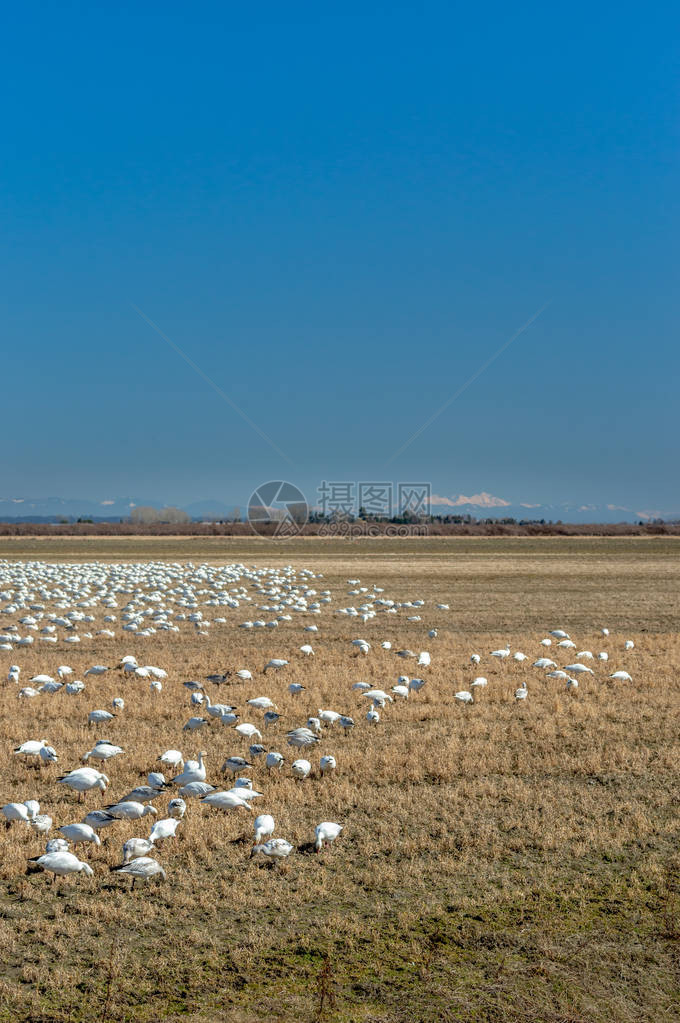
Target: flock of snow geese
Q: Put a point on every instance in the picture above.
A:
(61, 604)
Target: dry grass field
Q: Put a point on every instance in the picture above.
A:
(504, 861)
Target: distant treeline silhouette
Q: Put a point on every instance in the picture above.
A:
(426, 526)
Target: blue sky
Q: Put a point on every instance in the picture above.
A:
(339, 212)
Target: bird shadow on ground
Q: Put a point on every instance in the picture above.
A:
(307, 848)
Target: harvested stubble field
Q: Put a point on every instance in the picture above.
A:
(501, 861)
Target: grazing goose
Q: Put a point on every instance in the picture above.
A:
(163, 829)
(83, 779)
(173, 757)
(301, 768)
(264, 826)
(262, 703)
(56, 845)
(522, 692)
(99, 819)
(621, 676)
(31, 748)
(226, 801)
(327, 764)
(98, 717)
(61, 864)
(578, 669)
(372, 716)
(193, 724)
(248, 731)
(276, 849)
(235, 765)
(103, 750)
(295, 688)
(15, 812)
(48, 755)
(274, 760)
(135, 847)
(131, 810)
(79, 833)
(464, 696)
(141, 869)
(194, 789)
(301, 738)
(42, 823)
(177, 808)
(276, 662)
(326, 833)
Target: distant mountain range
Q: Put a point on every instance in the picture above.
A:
(487, 506)
(478, 506)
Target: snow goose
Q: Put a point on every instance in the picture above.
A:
(301, 768)
(98, 717)
(163, 829)
(326, 833)
(48, 755)
(263, 826)
(194, 770)
(130, 810)
(103, 750)
(301, 737)
(194, 789)
(194, 723)
(274, 761)
(177, 808)
(41, 823)
(248, 731)
(226, 801)
(83, 779)
(79, 833)
(235, 765)
(327, 764)
(275, 850)
(15, 812)
(31, 748)
(135, 847)
(173, 757)
(61, 864)
(141, 869)
(276, 662)
(99, 819)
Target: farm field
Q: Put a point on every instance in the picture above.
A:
(505, 860)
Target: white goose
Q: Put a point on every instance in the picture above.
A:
(61, 864)
(83, 779)
(142, 868)
(264, 826)
(326, 833)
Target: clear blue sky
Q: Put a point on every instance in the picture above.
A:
(339, 212)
